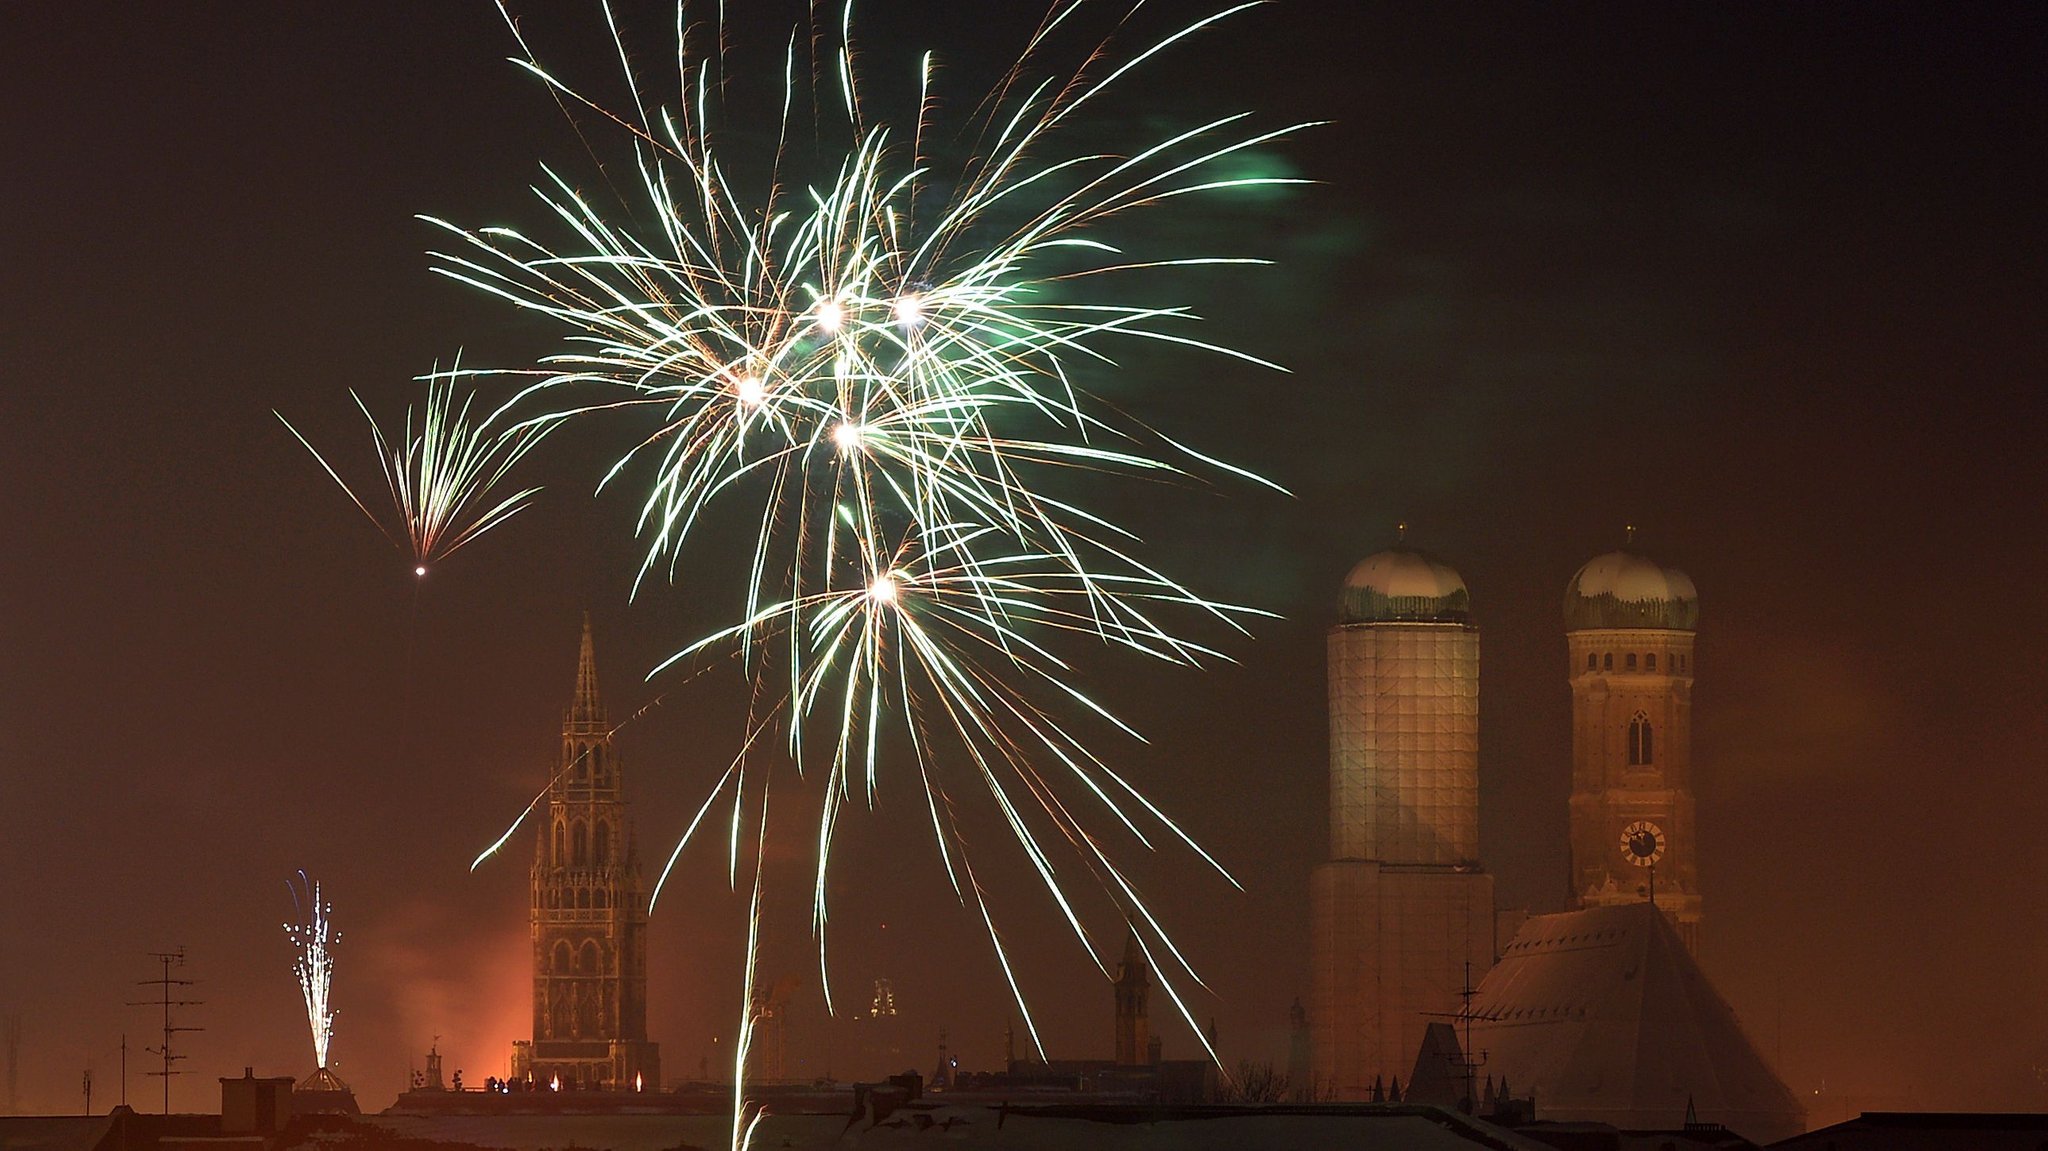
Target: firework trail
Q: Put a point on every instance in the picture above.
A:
(440, 469)
(883, 369)
(314, 964)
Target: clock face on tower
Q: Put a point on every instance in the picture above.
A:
(1642, 843)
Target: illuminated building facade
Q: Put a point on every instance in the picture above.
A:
(589, 917)
(1402, 907)
(1630, 625)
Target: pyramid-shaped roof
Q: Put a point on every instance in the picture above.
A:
(1602, 1015)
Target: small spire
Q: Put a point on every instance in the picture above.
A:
(1631, 529)
(1132, 969)
(1401, 532)
(586, 709)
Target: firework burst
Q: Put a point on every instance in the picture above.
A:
(313, 940)
(440, 470)
(881, 369)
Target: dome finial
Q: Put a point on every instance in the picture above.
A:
(1401, 532)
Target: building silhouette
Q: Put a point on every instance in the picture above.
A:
(1133, 1010)
(589, 916)
(1402, 910)
(1630, 625)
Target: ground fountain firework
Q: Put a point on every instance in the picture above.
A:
(312, 939)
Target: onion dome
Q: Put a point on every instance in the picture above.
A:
(1623, 589)
(1403, 585)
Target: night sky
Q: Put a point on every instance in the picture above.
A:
(1765, 280)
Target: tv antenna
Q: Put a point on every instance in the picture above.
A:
(165, 984)
(1467, 1062)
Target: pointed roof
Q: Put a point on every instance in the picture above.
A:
(586, 710)
(1603, 1015)
(1439, 1073)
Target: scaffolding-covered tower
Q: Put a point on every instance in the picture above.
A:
(1402, 907)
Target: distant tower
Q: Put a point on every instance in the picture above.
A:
(1133, 1021)
(589, 916)
(1629, 627)
(1403, 904)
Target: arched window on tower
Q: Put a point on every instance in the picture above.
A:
(1650, 662)
(579, 846)
(1607, 662)
(582, 754)
(1592, 662)
(602, 853)
(560, 961)
(1631, 661)
(558, 859)
(1639, 746)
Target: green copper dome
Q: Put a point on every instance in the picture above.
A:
(1403, 585)
(1623, 589)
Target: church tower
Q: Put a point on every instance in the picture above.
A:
(1402, 906)
(1133, 1011)
(1630, 625)
(589, 917)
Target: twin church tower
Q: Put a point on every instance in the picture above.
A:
(1403, 914)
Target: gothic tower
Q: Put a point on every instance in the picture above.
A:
(1630, 625)
(1402, 906)
(589, 916)
(1133, 1017)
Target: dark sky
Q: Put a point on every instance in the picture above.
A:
(1765, 280)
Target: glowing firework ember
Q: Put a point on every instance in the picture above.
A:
(314, 964)
(880, 369)
(441, 470)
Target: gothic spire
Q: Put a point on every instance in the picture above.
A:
(586, 710)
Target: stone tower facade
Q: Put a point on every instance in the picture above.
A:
(1133, 1008)
(1630, 625)
(1403, 906)
(589, 917)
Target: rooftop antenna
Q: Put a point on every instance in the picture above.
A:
(1468, 1061)
(164, 983)
(13, 1059)
(12, 1027)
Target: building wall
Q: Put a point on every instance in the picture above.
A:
(1390, 948)
(1404, 742)
(1616, 675)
